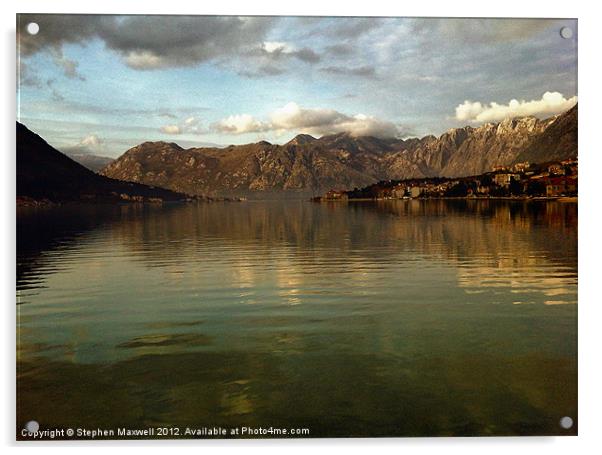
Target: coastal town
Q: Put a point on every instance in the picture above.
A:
(524, 180)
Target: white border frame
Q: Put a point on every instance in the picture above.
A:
(590, 161)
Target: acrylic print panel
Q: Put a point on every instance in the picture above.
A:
(296, 227)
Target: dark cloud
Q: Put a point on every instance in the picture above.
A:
(254, 72)
(270, 59)
(306, 55)
(360, 71)
(56, 30)
(477, 31)
(25, 77)
(148, 42)
(68, 66)
(155, 42)
(56, 96)
(340, 49)
(355, 27)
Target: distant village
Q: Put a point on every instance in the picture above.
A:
(520, 180)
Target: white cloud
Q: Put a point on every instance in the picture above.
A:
(145, 60)
(89, 145)
(191, 125)
(171, 129)
(329, 121)
(277, 46)
(551, 103)
(292, 117)
(91, 141)
(240, 124)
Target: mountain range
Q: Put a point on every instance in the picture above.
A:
(93, 162)
(308, 165)
(45, 174)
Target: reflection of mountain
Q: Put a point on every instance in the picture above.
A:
(242, 307)
(45, 173)
(309, 165)
(452, 229)
(43, 230)
(480, 238)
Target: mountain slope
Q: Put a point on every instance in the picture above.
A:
(557, 142)
(45, 173)
(300, 166)
(93, 162)
(493, 145)
(308, 165)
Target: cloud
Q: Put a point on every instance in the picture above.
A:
(171, 129)
(55, 31)
(89, 145)
(307, 55)
(25, 76)
(271, 58)
(255, 72)
(352, 28)
(145, 60)
(292, 117)
(91, 141)
(240, 124)
(191, 125)
(279, 50)
(147, 42)
(56, 95)
(68, 66)
(551, 103)
(340, 49)
(159, 42)
(276, 46)
(478, 31)
(360, 71)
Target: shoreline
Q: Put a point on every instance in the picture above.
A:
(566, 199)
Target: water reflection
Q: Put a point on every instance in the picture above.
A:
(389, 318)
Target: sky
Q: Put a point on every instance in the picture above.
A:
(103, 84)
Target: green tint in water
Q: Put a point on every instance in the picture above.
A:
(405, 318)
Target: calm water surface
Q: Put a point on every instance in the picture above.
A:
(401, 318)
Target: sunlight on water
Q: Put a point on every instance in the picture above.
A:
(390, 318)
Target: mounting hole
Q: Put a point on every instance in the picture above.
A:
(566, 422)
(33, 28)
(32, 426)
(566, 32)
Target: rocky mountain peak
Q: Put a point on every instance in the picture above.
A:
(512, 124)
(301, 139)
